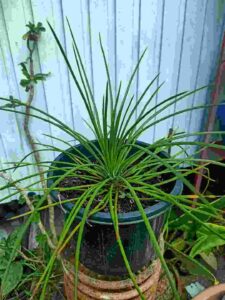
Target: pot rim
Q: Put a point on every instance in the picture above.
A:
(212, 292)
(123, 218)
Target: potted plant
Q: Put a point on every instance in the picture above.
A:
(99, 251)
(116, 190)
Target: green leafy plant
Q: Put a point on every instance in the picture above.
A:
(32, 36)
(113, 172)
(206, 242)
(34, 31)
(14, 276)
(30, 79)
(193, 233)
(191, 243)
(25, 268)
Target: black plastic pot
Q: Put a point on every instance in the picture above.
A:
(99, 251)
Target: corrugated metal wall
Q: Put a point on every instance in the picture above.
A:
(183, 40)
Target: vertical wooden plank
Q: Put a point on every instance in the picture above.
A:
(97, 16)
(40, 98)
(79, 22)
(39, 94)
(124, 41)
(90, 45)
(150, 30)
(9, 84)
(3, 160)
(127, 45)
(15, 29)
(138, 53)
(112, 41)
(56, 87)
(12, 131)
(194, 26)
(183, 39)
(208, 61)
(159, 56)
(174, 16)
(197, 114)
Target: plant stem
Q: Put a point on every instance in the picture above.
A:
(29, 204)
(31, 140)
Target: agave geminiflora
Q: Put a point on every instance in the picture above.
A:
(116, 131)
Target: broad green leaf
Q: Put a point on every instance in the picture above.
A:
(210, 259)
(185, 219)
(3, 237)
(12, 238)
(25, 82)
(25, 71)
(207, 240)
(217, 228)
(1, 273)
(3, 263)
(12, 279)
(193, 266)
(10, 243)
(2, 250)
(206, 243)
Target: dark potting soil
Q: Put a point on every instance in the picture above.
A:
(125, 202)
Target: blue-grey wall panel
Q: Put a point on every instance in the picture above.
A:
(183, 38)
